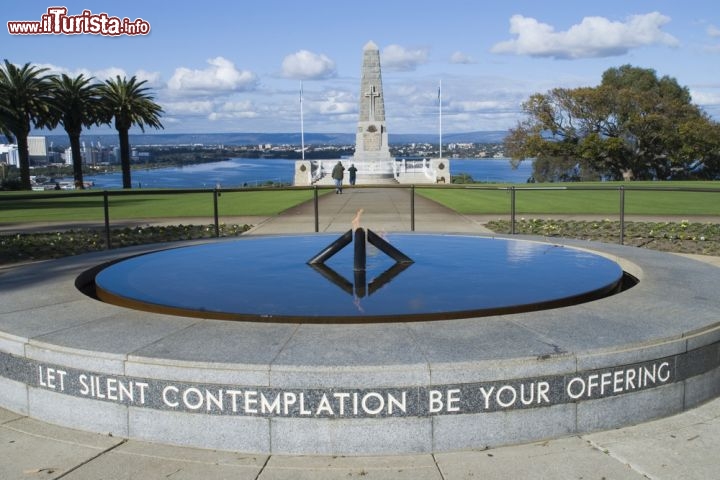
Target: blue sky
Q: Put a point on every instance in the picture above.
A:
(237, 66)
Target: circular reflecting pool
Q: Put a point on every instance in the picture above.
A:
(269, 279)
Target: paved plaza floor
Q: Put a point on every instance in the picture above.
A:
(684, 446)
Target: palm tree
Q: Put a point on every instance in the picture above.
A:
(128, 102)
(24, 101)
(78, 104)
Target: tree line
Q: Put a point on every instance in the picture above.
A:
(32, 98)
(633, 125)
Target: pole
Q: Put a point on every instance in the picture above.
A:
(337, 245)
(389, 250)
(106, 209)
(215, 212)
(412, 208)
(302, 125)
(440, 117)
(512, 210)
(359, 257)
(315, 205)
(622, 215)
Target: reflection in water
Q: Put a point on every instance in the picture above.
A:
(521, 252)
(268, 279)
(360, 288)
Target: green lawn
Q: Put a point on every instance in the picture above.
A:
(62, 207)
(574, 199)
(479, 199)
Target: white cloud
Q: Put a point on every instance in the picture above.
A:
(460, 57)
(220, 76)
(483, 105)
(233, 110)
(56, 70)
(398, 58)
(236, 106)
(334, 102)
(305, 65)
(332, 106)
(706, 97)
(152, 78)
(713, 31)
(202, 107)
(592, 37)
(109, 73)
(218, 116)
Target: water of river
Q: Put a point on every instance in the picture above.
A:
(238, 172)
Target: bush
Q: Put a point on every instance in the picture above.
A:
(682, 237)
(42, 246)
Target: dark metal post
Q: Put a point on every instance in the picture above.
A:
(317, 212)
(512, 210)
(622, 215)
(106, 208)
(215, 211)
(387, 248)
(359, 247)
(412, 208)
(333, 248)
(359, 263)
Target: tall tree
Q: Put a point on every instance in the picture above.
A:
(78, 104)
(25, 102)
(648, 111)
(633, 125)
(129, 103)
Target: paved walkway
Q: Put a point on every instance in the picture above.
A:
(381, 209)
(684, 446)
(681, 447)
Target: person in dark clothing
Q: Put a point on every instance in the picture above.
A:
(352, 171)
(338, 173)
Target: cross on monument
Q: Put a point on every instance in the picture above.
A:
(371, 95)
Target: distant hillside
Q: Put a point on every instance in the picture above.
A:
(468, 137)
(278, 138)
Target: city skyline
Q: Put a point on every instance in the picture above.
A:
(239, 67)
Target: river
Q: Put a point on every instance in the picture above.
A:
(238, 172)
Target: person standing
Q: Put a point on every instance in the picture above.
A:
(338, 173)
(352, 173)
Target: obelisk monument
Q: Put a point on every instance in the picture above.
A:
(372, 156)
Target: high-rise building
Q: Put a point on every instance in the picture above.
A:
(37, 150)
(9, 154)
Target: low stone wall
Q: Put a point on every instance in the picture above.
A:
(648, 352)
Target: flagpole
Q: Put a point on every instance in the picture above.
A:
(440, 115)
(302, 126)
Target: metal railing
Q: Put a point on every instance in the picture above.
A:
(621, 189)
(214, 193)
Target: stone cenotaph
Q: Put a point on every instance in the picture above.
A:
(372, 156)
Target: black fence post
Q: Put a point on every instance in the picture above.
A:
(106, 209)
(315, 205)
(512, 210)
(412, 208)
(215, 212)
(622, 215)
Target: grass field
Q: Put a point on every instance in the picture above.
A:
(682, 237)
(586, 198)
(583, 199)
(90, 206)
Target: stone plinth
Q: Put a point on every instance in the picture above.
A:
(372, 155)
(648, 352)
